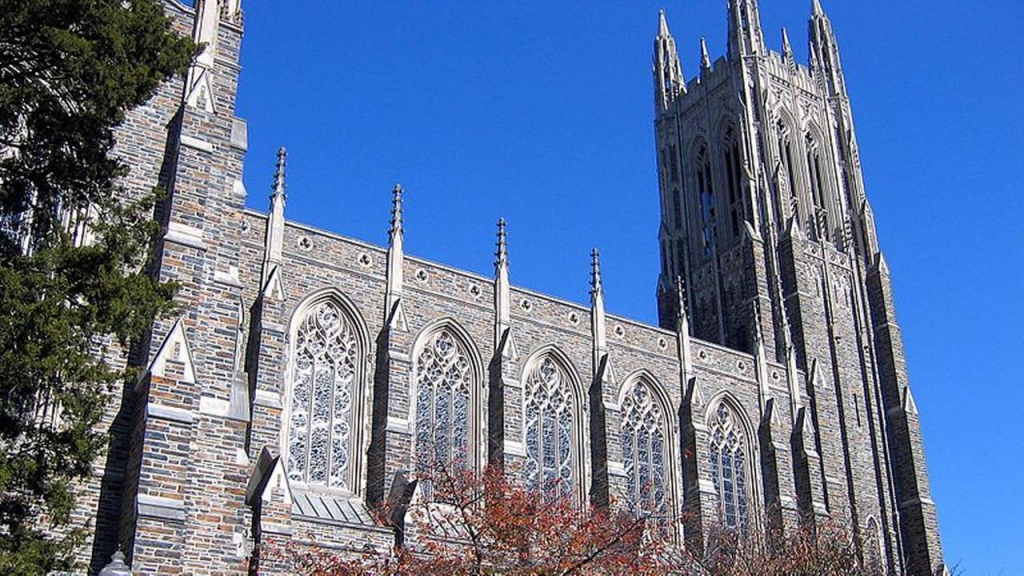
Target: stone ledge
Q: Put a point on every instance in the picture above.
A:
(164, 508)
(185, 235)
(196, 143)
(170, 413)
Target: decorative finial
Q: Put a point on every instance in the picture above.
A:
(681, 296)
(816, 8)
(502, 244)
(282, 156)
(396, 210)
(787, 48)
(705, 58)
(662, 25)
(595, 272)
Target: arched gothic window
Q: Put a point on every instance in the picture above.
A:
(707, 200)
(786, 161)
(324, 388)
(734, 179)
(819, 194)
(550, 453)
(645, 448)
(444, 384)
(730, 471)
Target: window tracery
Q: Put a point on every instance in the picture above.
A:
(550, 455)
(707, 200)
(444, 381)
(323, 388)
(734, 179)
(786, 162)
(818, 192)
(729, 471)
(645, 452)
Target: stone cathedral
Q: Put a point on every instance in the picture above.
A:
(309, 372)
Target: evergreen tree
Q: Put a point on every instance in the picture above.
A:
(73, 282)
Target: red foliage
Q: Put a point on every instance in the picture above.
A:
(489, 524)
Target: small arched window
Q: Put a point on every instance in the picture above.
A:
(326, 360)
(819, 195)
(734, 179)
(551, 453)
(444, 416)
(706, 193)
(645, 452)
(788, 168)
(730, 469)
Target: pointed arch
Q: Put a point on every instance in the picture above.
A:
(788, 158)
(649, 441)
(703, 182)
(326, 394)
(819, 177)
(446, 407)
(732, 164)
(732, 459)
(554, 425)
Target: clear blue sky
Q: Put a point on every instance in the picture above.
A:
(542, 112)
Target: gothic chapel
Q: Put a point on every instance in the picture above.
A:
(309, 371)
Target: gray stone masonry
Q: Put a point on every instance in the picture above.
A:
(775, 308)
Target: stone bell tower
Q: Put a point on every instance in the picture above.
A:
(765, 220)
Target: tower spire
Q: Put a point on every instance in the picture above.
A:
(745, 38)
(668, 72)
(824, 51)
(662, 25)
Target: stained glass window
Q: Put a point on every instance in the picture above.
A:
(645, 452)
(444, 379)
(549, 430)
(729, 468)
(325, 361)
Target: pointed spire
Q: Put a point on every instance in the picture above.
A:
(745, 36)
(705, 58)
(502, 244)
(394, 315)
(598, 323)
(396, 213)
(503, 341)
(273, 244)
(683, 321)
(668, 71)
(282, 156)
(683, 334)
(824, 51)
(787, 47)
(596, 287)
(662, 25)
